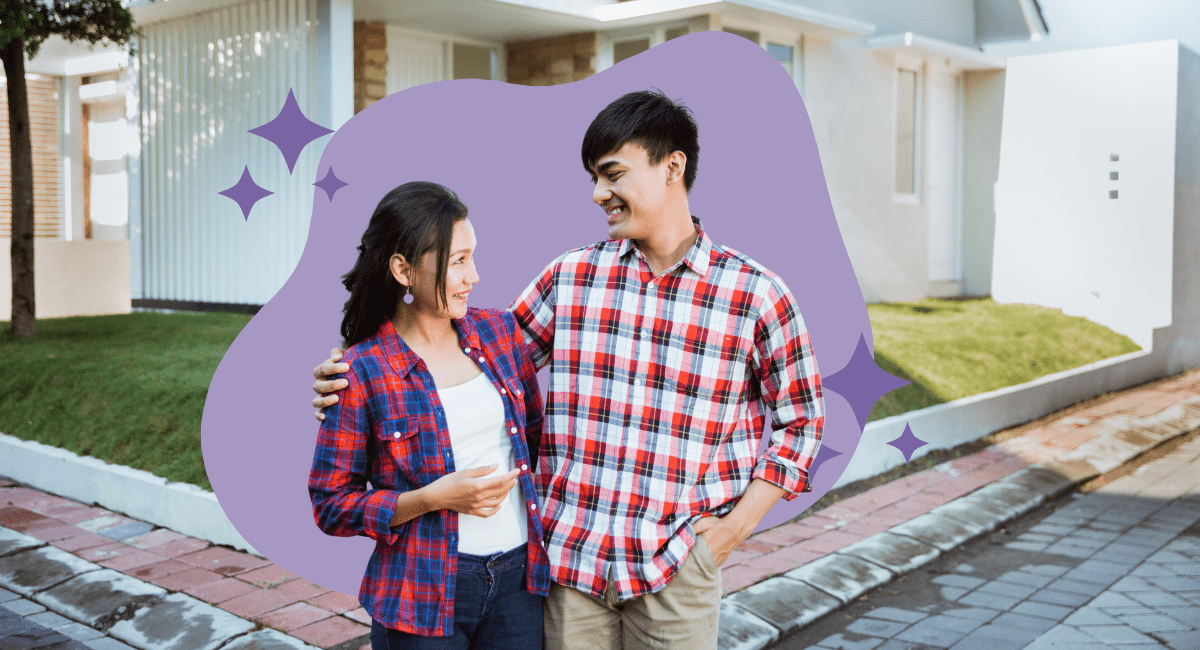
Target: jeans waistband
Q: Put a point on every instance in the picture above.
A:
(496, 562)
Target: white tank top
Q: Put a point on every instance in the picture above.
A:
(475, 418)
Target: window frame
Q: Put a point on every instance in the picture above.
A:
(917, 67)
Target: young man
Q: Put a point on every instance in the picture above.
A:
(662, 347)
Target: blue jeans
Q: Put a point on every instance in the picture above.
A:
(492, 609)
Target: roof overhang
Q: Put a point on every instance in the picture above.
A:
(957, 57)
(809, 22)
(61, 58)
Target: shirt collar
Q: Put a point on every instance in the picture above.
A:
(698, 257)
(402, 358)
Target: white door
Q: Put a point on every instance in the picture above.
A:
(413, 60)
(941, 127)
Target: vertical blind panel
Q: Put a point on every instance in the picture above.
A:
(205, 81)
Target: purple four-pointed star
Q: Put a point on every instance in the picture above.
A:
(823, 454)
(907, 443)
(331, 183)
(246, 193)
(862, 382)
(291, 131)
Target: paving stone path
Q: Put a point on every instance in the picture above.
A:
(58, 554)
(1117, 568)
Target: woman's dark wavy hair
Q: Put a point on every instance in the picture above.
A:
(411, 220)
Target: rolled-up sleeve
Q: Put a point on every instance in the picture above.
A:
(337, 484)
(791, 385)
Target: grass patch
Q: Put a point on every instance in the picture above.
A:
(951, 349)
(128, 389)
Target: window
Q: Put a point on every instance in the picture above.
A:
(624, 49)
(473, 61)
(615, 47)
(785, 55)
(907, 121)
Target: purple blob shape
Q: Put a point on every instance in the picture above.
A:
(291, 131)
(907, 443)
(512, 155)
(331, 184)
(862, 382)
(246, 193)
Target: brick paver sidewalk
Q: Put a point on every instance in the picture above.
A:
(255, 589)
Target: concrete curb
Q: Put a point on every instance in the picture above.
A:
(141, 614)
(761, 615)
(181, 507)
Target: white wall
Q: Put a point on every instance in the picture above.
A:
(983, 106)
(1060, 240)
(73, 278)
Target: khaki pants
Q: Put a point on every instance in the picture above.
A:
(681, 616)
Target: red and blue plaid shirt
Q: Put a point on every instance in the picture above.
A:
(654, 410)
(388, 428)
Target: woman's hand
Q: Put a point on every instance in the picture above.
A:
(468, 492)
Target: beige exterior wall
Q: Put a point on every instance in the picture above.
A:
(552, 61)
(73, 278)
(370, 63)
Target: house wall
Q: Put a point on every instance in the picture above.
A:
(1185, 313)
(982, 110)
(45, 121)
(1060, 240)
(370, 63)
(73, 278)
(848, 92)
(552, 61)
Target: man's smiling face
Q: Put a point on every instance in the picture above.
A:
(632, 192)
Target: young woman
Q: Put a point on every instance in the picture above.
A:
(430, 449)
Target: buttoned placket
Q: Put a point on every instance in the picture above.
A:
(510, 421)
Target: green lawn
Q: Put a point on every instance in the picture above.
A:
(130, 389)
(127, 389)
(951, 349)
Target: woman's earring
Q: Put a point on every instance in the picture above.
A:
(408, 297)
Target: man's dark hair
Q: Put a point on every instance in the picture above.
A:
(647, 118)
(411, 220)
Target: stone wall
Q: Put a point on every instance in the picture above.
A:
(552, 61)
(370, 63)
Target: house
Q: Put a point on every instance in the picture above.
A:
(905, 107)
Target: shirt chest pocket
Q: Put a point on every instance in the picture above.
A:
(403, 442)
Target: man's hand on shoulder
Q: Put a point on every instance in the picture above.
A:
(325, 387)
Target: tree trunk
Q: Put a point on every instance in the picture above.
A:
(23, 313)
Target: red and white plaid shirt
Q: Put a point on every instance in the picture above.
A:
(655, 403)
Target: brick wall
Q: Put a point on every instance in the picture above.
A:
(370, 63)
(44, 130)
(552, 61)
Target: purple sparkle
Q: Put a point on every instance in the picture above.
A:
(907, 443)
(862, 382)
(331, 183)
(246, 193)
(291, 131)
(823, 454)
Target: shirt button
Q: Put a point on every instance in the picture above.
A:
(481, 358)
(524, 467)
(518, 393)
(533, 506)
(512, 430)
(467, 350)
(396, 435)
(637, 382)
(502, 391)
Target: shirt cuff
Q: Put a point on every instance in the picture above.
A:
(793, 481)
(380, 508)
